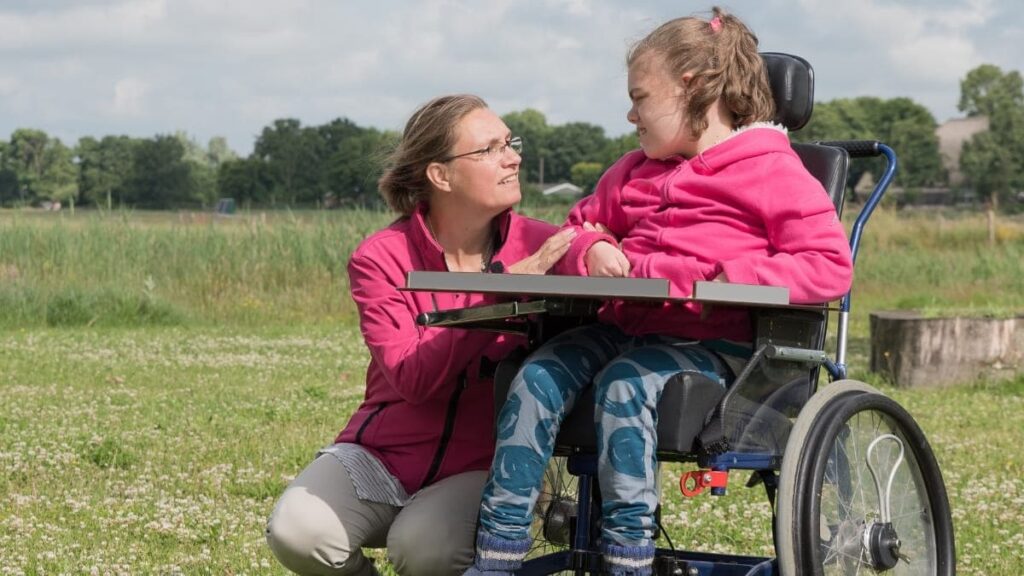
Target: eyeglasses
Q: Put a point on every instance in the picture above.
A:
(492, 152)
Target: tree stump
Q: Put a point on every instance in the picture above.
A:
(913, 350)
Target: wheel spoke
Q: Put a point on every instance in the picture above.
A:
(859, 504)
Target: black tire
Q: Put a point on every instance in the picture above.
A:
(834, 501)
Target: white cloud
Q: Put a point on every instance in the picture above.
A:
(86, 24)
(9, 85)
(928, 42)
(230, 67)
(575, 7)
(129, 96)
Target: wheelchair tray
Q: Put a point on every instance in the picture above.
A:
(567, 296)
(538, 285)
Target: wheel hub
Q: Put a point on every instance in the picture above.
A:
(883, 545)
(557, 520)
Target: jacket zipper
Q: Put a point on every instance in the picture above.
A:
(446, 434)
(362, 427)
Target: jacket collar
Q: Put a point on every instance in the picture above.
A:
(433, 254)
(743, 143)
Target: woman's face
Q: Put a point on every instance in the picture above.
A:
(489, 180)
(658, 109)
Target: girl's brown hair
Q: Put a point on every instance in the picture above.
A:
(721, 53)
(428, 136)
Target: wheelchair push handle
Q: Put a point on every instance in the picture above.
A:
(856, 148)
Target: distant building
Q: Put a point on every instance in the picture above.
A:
(952, 135)
(565, 189)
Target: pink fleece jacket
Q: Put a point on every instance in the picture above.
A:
(427, 411)
(746, 207)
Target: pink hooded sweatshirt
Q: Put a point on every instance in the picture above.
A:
(746, 207)
(427, 412)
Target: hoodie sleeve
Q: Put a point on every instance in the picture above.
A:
(420, 363)
(810, 253)
(680, 271)
(627, 192)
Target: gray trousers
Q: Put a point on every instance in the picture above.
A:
(319, 526)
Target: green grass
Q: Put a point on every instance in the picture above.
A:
(164, 376)
(158, 450)
(161, 450)
(129, 269)
(137, 269)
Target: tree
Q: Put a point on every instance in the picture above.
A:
(987, 91)
(44, 166)
(103, 166)
(160, 176)
(352, 170)
(58, 180)
(993, 161)
(244, 179)
(586, 174)
(615, 148)
(907, 127)
(988, 166)
(336, 132)
(218, 151)
(204, 163)
(292, 154)
(572, 143)
(532, 127)
(10, 188)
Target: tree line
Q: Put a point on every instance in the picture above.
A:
(338, 163)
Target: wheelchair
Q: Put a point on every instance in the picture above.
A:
(851, 479)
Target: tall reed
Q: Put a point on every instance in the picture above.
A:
(169, 268)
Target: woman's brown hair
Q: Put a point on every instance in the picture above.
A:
(721, 53)
(428, 136)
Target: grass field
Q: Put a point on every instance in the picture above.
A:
(164, 376)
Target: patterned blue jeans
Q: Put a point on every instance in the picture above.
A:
(629, 374)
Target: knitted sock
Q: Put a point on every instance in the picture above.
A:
(497, 556)
(628, 560)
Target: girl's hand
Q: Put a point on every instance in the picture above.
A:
(603, 259)
(544, 258)
(597, 227)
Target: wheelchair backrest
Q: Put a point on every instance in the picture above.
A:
(792, 84)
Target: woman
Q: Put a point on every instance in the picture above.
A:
(408, 470)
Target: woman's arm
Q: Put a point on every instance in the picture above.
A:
(420, 363)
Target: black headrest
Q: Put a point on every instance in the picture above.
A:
(792, 82)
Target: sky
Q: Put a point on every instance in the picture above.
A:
(230, 67)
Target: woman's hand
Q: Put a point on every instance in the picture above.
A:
(603, 259)
(550, 252)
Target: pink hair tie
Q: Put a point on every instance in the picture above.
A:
(716, 24)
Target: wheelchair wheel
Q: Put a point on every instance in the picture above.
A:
(860, 490)
(555, 511)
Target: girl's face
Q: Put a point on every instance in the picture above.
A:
(658, 109)
(485, 172)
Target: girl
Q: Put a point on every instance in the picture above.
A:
(716, 193)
